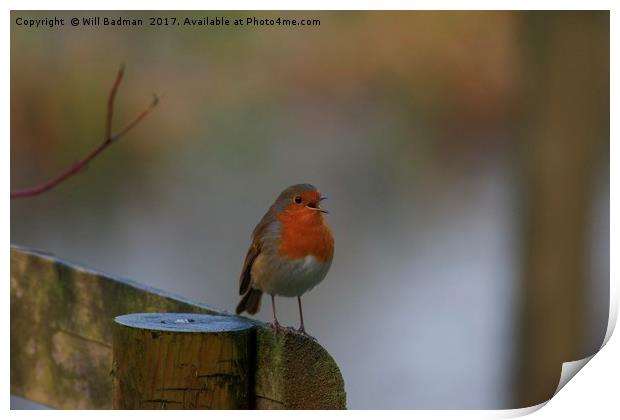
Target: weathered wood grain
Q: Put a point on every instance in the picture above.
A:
(61, 340)
(288, 369)
(182, 361)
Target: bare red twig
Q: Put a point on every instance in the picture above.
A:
(107, 141)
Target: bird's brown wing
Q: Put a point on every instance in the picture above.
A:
(246, 277)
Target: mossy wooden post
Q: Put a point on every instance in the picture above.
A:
(182, 361)
(62, 323)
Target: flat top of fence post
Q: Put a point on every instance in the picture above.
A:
(183, 322)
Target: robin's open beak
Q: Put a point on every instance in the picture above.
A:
(314, 205)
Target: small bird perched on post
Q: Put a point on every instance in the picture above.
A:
(291, 251)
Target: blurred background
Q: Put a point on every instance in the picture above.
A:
(465, 156)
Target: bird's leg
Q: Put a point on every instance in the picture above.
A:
(301, 329)
(276, 324)
(301, 317)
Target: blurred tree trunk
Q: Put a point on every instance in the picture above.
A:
(566, 132)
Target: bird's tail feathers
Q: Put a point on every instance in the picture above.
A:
(250, 302)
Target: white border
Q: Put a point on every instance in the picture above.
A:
(310, 5)
(595, 389)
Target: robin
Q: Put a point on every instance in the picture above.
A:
(291, 251)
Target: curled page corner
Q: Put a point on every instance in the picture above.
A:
(613, 313)
(520, 412)
(570, 369)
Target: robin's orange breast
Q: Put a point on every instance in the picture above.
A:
(305, 234)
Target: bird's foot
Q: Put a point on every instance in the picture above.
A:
(279, 328)
(276, 327)
(303, 332)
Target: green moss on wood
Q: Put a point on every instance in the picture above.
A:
(61, 340)
(287, 367)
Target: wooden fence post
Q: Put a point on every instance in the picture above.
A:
(182, 361)
(62, 328)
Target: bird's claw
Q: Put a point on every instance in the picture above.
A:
(276, 327)
(303, 332)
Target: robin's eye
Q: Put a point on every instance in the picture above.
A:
(297, 199)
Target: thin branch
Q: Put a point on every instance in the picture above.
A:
(107, 141)
(136, 120)
(111, 98)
